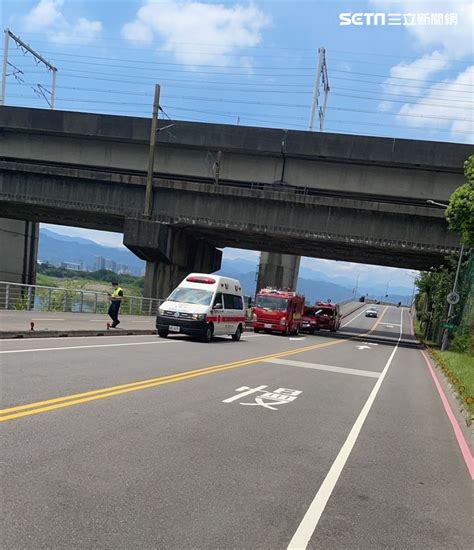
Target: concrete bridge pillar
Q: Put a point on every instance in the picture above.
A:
(18, 251)
(170, 255)
(278, 270)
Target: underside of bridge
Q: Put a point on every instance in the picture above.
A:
(190, 222)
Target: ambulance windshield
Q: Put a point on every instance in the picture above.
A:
(191, 296)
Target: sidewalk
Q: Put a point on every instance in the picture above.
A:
(18, 324)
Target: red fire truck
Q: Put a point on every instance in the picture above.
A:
(278, 311)
(327, 316)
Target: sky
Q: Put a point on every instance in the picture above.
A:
(253, 63)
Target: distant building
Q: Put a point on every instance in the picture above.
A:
(123, 269)
(72, 266)
(111, 265)
(99, 263)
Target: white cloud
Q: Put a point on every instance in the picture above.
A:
(408, 78)
(44, 14)
(437, 105)
(457, 95)
(82, 32)
(454, 40)
(186, 26)
(47, 16)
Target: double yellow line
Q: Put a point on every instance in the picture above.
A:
(38, 407)
(76, 399)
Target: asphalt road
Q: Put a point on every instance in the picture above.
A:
(137, 442)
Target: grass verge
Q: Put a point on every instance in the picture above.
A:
(458, 368)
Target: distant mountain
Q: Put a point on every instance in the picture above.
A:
(60, 237)
(55, 248)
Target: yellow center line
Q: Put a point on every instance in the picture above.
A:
(78, 398)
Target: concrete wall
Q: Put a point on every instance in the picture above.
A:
(18, 251)
(334, 162)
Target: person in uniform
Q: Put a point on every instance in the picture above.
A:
(115, 302)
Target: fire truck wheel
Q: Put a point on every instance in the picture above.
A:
(238, 333)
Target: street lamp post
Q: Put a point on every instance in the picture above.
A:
(444, 342)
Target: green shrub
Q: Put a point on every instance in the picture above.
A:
(463, 342)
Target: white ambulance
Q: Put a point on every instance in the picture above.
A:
(204, 306)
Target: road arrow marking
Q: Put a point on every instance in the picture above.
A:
(363, 347)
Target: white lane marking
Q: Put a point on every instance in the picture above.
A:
(390, 325)
(363, 347)
(268, 399)
(311, 519)
(298, 339)
(86, 347)
(354, 318)
(244, 393)
(329, 368)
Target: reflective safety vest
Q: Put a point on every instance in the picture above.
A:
(115, 293)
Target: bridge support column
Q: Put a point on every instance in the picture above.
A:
(170, 255)
(18, 251)
(278, 270)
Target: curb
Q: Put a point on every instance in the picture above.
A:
(65, 333)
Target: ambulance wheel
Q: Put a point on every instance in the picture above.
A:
(163, 333)
(238, 334)
(208, 334)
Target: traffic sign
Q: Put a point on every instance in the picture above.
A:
(448, 326)
(452, 298)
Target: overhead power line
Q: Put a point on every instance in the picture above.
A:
(352, 96)
(243, 68)
(154, 44)
(77, 73)
(227, 66)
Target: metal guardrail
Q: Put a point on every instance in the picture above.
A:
(16, 296)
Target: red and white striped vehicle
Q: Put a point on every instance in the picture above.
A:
(204, 306)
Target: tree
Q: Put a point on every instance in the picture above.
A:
(460, 212)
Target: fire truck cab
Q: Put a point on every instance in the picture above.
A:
(278, 311)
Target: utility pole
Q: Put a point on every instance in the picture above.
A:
(151, 155)
(48, 95)
(321, 75)
(444, 343)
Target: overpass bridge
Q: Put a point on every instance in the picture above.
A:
(331, 196)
